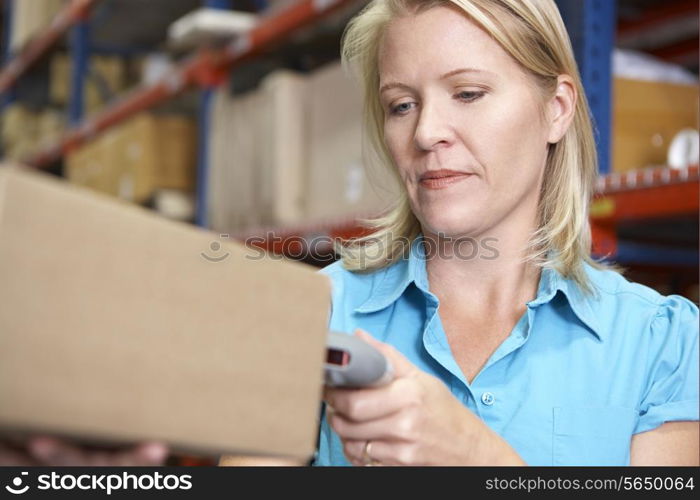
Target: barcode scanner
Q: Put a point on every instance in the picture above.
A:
(352, 362)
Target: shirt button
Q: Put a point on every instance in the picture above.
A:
(487, 398)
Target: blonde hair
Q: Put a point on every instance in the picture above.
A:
(533, 33)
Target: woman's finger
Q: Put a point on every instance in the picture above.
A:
(151, 453)
(379, 452)
(396, 426)
(54, 452)
(369, 404)
(353, 451)
(401, 366)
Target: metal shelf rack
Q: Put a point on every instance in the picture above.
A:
(637, 195)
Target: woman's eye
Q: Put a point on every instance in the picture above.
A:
(469, 96)
(401, 109)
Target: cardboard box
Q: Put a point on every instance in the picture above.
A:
(234, 167)
(155, 152)
(106, 78)
(291, 152)
(29, 18)
(135, 159)
(177, 147)
(338, 183)
(21, 150)
(50, 127)
(18, 124)
(118, 325)
(95, 166)
(646, 117)
(281, 147)
(258, 159)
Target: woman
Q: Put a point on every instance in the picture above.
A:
(510, 345)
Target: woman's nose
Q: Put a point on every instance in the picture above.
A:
(432, 129)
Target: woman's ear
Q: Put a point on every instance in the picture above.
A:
(561, 108)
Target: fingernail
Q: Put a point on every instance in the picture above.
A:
(42, 447)
(155, 452)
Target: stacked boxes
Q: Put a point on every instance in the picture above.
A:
(232, 159)
(258, 155)
(25, 132)
(132, 160)
(29, 18)
(338, 183)
(281, 148)
(291, 152)
(106, 78)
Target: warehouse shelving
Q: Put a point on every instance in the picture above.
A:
(205, 68)
(73, 13)
(656, 193)
(649, 193)
(659, 193)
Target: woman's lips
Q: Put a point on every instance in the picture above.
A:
(443, 182)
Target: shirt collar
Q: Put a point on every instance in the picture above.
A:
(393, 280)
(552, 282)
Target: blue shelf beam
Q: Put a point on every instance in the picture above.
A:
(629, 252)
(80, 50)
(7, 9)
(591, 26)
(203, 157)
(219, 4)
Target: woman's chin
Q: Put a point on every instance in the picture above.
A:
(449, 225)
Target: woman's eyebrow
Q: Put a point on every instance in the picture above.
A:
(393, 85)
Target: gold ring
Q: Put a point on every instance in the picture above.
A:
(367, 459)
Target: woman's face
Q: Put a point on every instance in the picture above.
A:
(455, 100)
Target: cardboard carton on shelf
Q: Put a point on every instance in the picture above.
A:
(281, 148)
(30, 18)
(258, 154)
(647, 115)
(338, 182)
(118, 326)
(235, 167)
(50, 127)
(107, 77)
(18, 123)
(155, 152)
(134, 159)
(290, 152)
(93, 165)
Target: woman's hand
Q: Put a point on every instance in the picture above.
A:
(413, 420)
(50, 451)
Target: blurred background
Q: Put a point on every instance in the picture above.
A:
(235, 115)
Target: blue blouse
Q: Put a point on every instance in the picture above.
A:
(575, 379)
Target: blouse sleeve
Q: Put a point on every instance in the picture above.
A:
(671, 391)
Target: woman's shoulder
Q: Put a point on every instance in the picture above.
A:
(350, 290)
(654, 336)
(617, 297)
(351, 286)
(339, 274)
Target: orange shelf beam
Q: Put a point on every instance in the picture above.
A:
(205, 68)
(72, 13)
(639, 194)
(647, 193)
